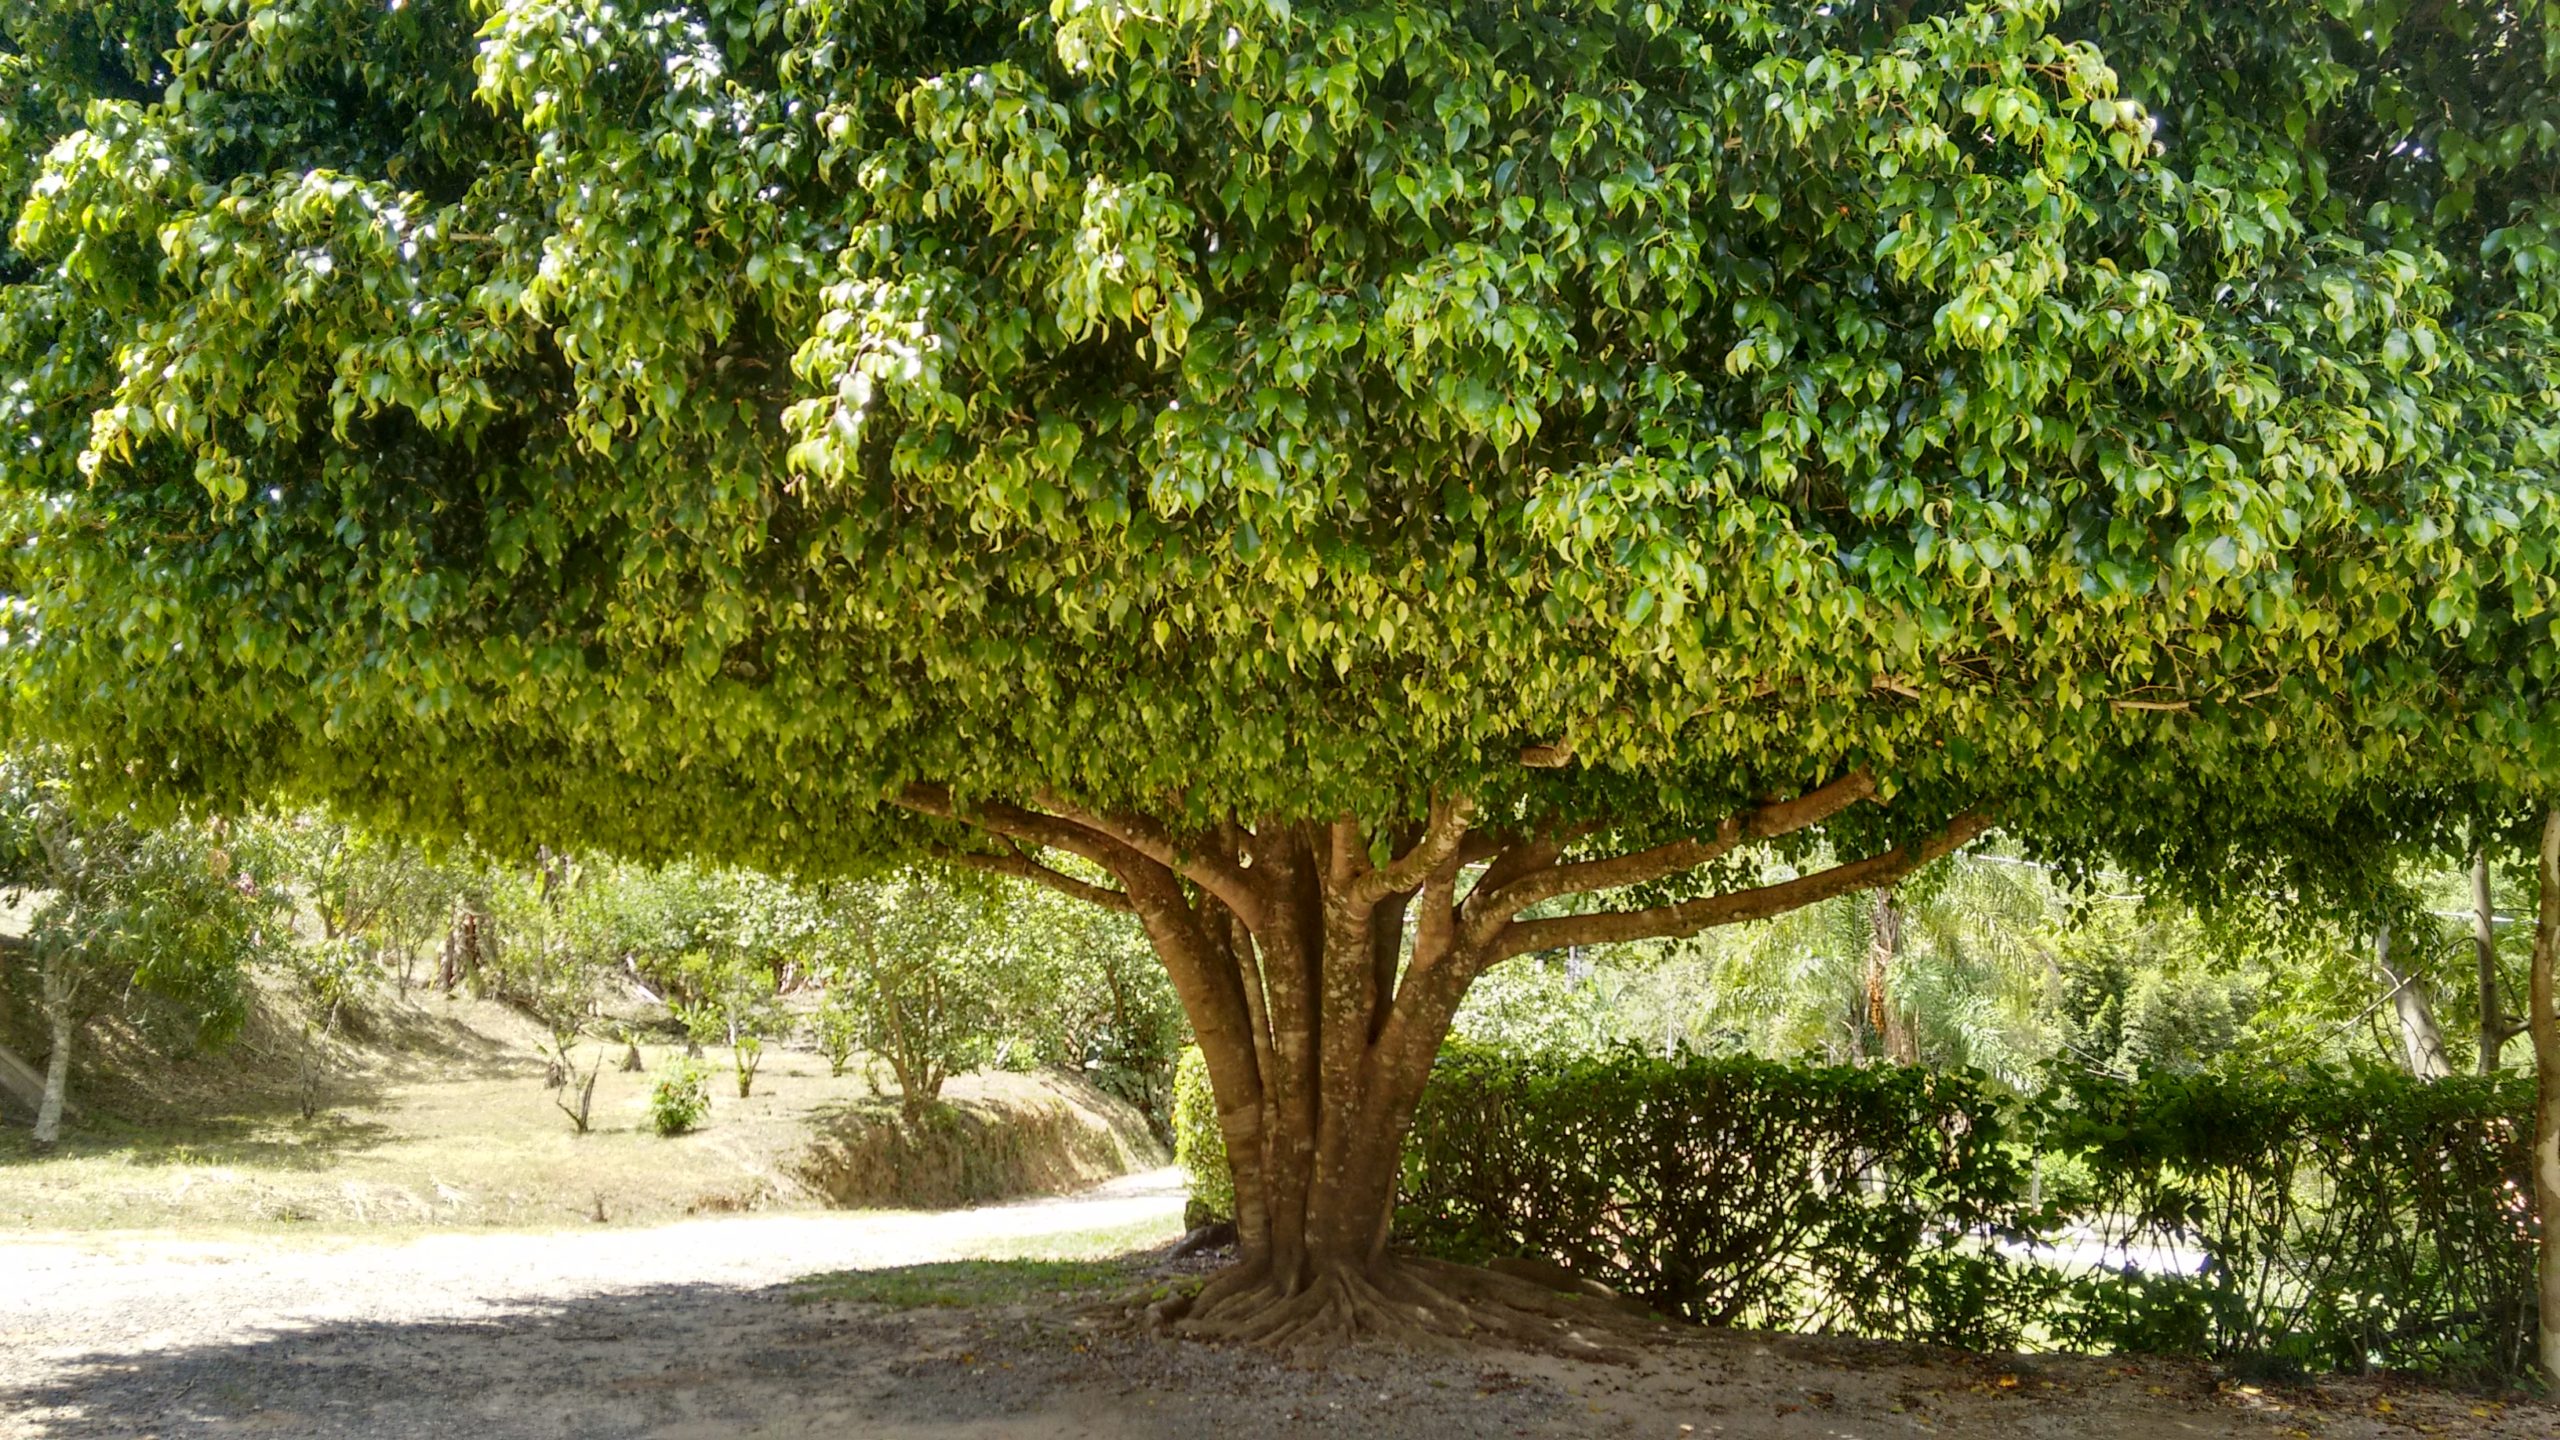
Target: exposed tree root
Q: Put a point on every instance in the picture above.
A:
(1408, 1302)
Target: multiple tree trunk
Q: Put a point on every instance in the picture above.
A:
(1321, 964)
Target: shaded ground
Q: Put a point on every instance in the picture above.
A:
(696, 1330)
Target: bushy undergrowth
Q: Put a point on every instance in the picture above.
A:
(2337, 1220)
(2315, 1219)
(1198, 1145)
(680, 1099)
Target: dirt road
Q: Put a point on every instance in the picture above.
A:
(692, 1330)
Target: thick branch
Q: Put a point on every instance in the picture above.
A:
(1217, 874)
(1768, 821)
(1023, 867)
(1441, 837)
(1016, 823)
(1688, 917)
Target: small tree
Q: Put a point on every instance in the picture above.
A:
(838, 1025)
(914, 959)
(548, 966)
(130, 914)
(737, 1008)
(329, 973)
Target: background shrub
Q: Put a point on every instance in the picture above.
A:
(1732, 1190)
(2337, 1220)
(1198, 1145)
(681, 1098)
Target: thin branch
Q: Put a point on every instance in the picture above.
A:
(1688, 917)
(1022, 867)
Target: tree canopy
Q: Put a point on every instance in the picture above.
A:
(715, 417)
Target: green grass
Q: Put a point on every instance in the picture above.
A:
(967, 1284)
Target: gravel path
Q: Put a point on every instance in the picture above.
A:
(69, 1295)
(692, 1332)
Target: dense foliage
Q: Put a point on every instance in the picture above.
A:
(2311, 1220)
(1731, 1191)
(710, 415)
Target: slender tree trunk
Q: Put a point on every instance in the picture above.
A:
(58, 1002)
(1891, 1025)
(2421, 1040)
(2494, 1029)
(2543, 1024)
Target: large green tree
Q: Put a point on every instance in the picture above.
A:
(1371, 489)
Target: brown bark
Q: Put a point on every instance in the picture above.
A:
(2542, 1023)
(1321, 965)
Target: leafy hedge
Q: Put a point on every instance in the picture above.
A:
(1731, 1191)
(2339, 1220)
(2310, 1220)
(1198, 1145)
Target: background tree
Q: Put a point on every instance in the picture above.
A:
(916, 959)
(127, 915)
(734, 1007)
(1081, 990)
(1393, 498)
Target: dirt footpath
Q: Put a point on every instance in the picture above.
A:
(693, 1330)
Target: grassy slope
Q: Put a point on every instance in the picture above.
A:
(435, 1116)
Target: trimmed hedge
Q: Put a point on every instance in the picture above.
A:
(1732, 1191)
(2309, 1220)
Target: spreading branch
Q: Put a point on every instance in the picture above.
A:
(1688, 917)
(1767, 821)
(1022, 867)
(1211, 871)
(1439, 843)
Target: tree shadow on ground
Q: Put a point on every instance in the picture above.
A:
(776, 1360)
(270, 1137)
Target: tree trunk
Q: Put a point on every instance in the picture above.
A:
(1321, 964)
(1892, 1025)
(2494, 1029)
(57, 1066)
(2421, 1040)
(2543, 1024)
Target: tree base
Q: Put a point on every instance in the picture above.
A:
(1410, 1303)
